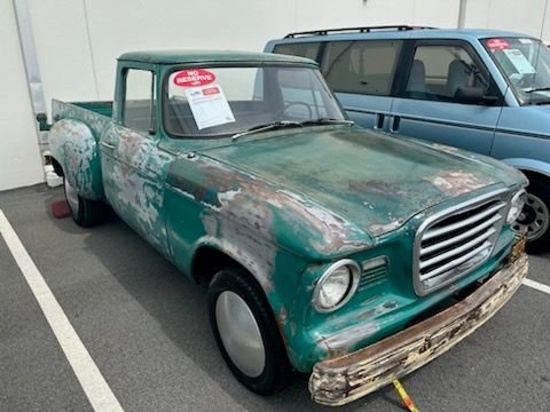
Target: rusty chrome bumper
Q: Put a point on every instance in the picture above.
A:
(341, 380)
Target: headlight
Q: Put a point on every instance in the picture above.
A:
(516, 206)
(336, 286)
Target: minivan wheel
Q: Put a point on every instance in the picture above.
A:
(85, 212)
(246, 332)
(534, 220)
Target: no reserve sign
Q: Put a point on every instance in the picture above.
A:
(194, 78)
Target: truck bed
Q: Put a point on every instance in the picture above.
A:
(96, 115)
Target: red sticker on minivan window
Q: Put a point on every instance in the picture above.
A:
(194, 78)
(498, 44)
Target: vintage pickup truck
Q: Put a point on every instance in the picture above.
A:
(327, 248)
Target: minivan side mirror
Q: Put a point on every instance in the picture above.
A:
(473, 95)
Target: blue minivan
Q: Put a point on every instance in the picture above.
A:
(485, 91)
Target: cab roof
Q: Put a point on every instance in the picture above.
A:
(209, 56)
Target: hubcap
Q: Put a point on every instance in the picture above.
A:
(72, 197)
(240, 334)
(534, 218)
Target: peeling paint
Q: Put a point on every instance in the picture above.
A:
(459, 182)
(360, 329)
(73, 145)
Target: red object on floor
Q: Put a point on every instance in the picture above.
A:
(60, 209)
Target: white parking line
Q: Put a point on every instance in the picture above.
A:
(94, 385)
(536, 285)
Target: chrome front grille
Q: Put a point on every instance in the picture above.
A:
(452, 243)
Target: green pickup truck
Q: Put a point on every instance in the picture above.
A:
(327, 248)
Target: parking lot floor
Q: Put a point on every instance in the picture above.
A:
(145, 326)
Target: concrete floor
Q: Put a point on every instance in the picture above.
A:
(146, 328)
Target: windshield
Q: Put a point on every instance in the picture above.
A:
(220, 101)
(525, 63)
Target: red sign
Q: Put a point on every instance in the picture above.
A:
(498, 44)
(209, 91)
(194, 78)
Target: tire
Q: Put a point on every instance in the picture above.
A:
(258, 360)
(85, 212)
(535, 217)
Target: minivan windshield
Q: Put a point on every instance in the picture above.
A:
(219, 101)
(525, 63)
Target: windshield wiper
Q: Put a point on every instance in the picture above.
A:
(538, 89)
(326, 120)
(266, 127)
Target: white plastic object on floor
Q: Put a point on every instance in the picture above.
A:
(52, 179)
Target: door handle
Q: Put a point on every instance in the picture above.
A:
(108, 145)
(395, 124)
(379, 123)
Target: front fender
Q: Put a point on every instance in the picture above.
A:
(530, 165)
(74, 146)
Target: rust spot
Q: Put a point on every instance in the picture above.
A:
(381, 188)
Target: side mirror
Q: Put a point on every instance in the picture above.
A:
(473, 95)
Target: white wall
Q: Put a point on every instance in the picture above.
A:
(86, 36)
(20, 163)
(78, 41)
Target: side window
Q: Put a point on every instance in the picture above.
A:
(139, 100)
(309, 50)
(301, 97)
(438, 71)
(362, 67)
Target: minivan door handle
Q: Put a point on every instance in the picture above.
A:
(394, 128)
(379, 122)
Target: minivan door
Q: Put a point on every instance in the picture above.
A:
(361, 73)
(447, 96)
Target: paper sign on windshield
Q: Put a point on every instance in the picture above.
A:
(209, 106)
(520, 62)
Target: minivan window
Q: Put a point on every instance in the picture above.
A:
(361, 67)
(525, 63)
(309, 50)
(438, 71)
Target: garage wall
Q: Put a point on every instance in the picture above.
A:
(78, 40)
(20, 163)
(77, 43)
(526, 16)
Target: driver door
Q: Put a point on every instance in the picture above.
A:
(134, 167)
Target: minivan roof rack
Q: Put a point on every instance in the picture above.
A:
(324, 32)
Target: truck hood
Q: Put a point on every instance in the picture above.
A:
(325, 192)
(374, 181)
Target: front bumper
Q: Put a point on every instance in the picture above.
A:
(343, 379)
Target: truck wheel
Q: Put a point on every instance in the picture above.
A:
(246, 332)
(535, 217)
(85, 212)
